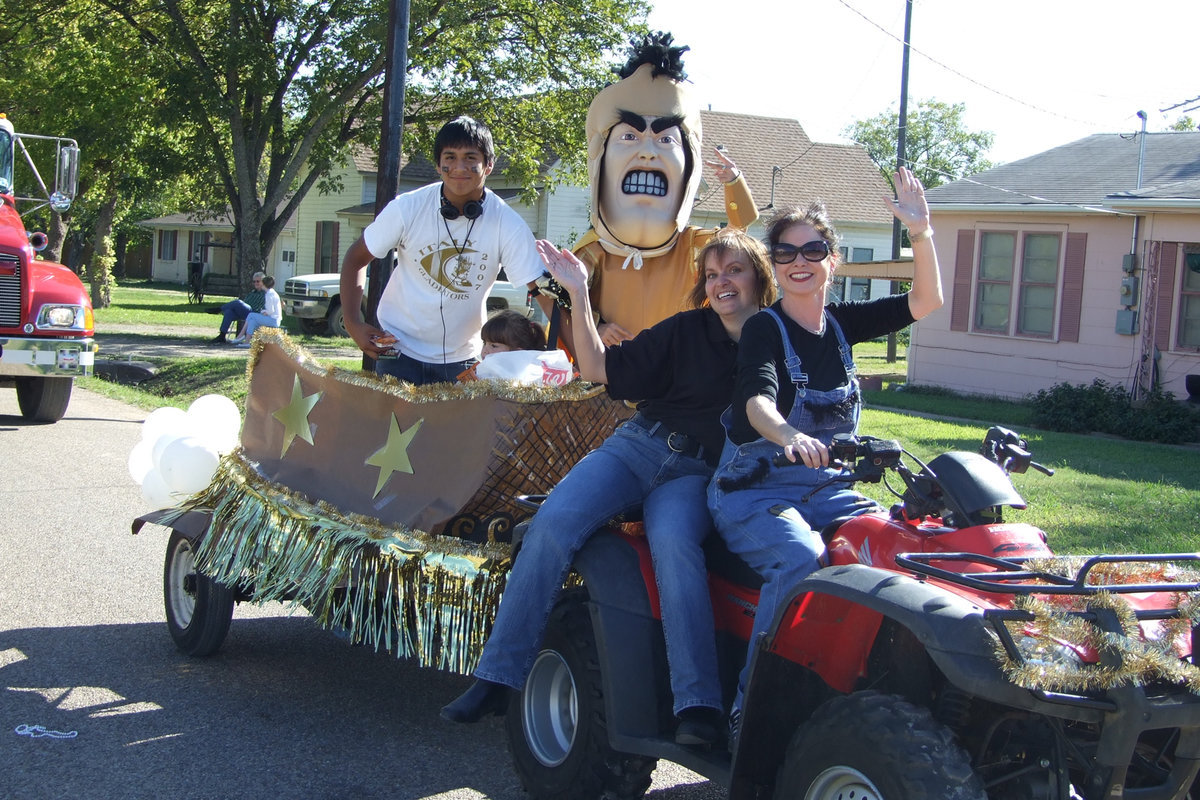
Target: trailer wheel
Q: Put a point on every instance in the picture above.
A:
(199, 609)
(43, 399)
(871, 746)
(556, 726)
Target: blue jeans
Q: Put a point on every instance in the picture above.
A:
(630, 469)
(234, 310)
(775, 533)
(406, 368)
(256, 320)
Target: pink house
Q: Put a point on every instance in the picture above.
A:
(1059, 268)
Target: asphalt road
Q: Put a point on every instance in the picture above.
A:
(282, 710)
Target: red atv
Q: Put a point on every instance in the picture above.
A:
(941, 653)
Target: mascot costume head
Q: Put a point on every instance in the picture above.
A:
(643, 136)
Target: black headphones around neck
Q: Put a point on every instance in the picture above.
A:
(472, 209)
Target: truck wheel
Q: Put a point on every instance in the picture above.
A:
(556, 727)
(198, 608)
(43, 399)
(337, 323)
(871, 746)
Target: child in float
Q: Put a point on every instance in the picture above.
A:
(507, 332)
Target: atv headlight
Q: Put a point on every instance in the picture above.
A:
(1043, 651)
(69, 317)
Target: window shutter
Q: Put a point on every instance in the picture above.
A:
(317, 249)
(335, 265)
(1072, 292)
(964, 266)
(1167, 260)
(191, 251)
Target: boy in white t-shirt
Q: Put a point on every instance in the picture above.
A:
(450, 239)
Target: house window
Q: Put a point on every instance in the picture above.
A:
(1033, 299)
(368, 190)
(326, 247)
(1189, 305)
(199, 245)
(994, 289)
(166, 245)
(287, 256)
(1039, 285)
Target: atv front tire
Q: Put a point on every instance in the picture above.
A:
(871, 746)
(199, 609)
(556, 726)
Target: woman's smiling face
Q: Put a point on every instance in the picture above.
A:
(801, 276)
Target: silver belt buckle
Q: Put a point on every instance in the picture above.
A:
(671, 442)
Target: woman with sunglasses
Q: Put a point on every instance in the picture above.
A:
(795, 389)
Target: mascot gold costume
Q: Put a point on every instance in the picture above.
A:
(644, 168)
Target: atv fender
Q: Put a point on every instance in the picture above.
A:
(615, 571)
(951, 629)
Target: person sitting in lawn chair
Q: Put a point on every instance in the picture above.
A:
(237, 309)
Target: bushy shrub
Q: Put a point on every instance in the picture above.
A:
(1106, 408)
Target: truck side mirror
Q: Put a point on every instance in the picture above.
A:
(66, 177)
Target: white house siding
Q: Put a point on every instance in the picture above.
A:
(1010, 366)
(317, 207)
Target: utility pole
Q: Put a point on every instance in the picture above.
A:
(900, 154)
(387, 179)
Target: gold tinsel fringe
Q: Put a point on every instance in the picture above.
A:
(1053, 624)
(425, 597)
(428, 393)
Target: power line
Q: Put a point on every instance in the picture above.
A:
(954, 71)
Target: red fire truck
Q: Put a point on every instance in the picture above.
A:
(46, 323)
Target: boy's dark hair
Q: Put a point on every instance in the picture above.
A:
(464, 132)
(514, 330)
(268, 281)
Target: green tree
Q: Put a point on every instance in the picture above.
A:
(937, 145)
(1184, 123)
(67, 73)
(271, 94)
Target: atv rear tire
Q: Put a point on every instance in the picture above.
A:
(871, 746)
(199, 609)
(556, 726)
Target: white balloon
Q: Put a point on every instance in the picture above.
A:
(141, 460)
(188, 465)
(161, 420)
(156, 492)
(215, 419)
(162, 442)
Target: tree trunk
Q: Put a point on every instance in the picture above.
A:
(56, 237)
(99, 264)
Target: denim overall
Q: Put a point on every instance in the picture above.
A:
(767, 522)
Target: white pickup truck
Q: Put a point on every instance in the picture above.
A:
(315, 302)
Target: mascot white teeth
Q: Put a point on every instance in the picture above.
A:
(644, 169)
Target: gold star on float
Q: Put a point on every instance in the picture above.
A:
(393, 456)
(294, 416)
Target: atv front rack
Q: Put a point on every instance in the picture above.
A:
(1012, 577)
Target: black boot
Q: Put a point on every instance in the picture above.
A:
(698, 725)
(218, 339)
(482, 699)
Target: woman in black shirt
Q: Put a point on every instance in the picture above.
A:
(681, 373)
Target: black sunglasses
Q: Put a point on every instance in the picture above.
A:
(784, 253)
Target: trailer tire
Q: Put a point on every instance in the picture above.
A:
(870, 746)
(199, 609)
(43, 399)
(557, 732)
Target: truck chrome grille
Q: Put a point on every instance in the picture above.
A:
(296, 287)
(10, 290)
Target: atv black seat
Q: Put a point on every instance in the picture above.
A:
(728, 565)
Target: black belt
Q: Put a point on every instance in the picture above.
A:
(678, 442)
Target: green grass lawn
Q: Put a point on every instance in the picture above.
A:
(1108, 495)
